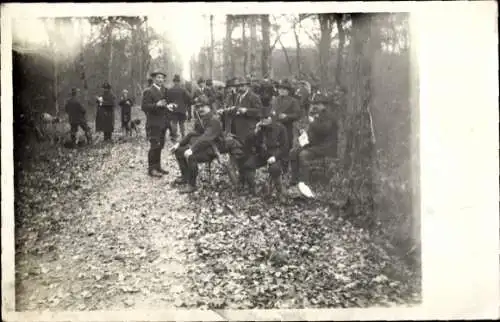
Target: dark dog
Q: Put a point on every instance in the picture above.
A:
(134, 126)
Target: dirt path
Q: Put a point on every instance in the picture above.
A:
(125, 246)
(121, 239)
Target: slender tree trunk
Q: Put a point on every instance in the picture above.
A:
(266, 44)
(253, 44)
(298, 51)
(110, 44)
(212, 45)
(83, 68)
(290, 67)
(245, 45)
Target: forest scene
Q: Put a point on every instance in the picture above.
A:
(94, 232)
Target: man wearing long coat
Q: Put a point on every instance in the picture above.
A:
(154, 105)
(105, 119)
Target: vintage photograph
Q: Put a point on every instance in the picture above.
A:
(259, 161)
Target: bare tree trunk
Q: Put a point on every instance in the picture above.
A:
(290, 67)
(298, 50)
(359, 153)
(253, 44)
(325, 20)
(212, 45)
(266, 44)
(245, 44)
(83, 76)
(340, 54)
(110, 44)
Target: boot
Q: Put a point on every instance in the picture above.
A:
(162, 171)
(180, 181)
(154, 173)
(252, 190)
(280, 189)
(189, 189)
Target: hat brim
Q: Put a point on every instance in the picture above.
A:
(157, 73)
(290, 88)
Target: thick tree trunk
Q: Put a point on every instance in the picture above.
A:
(228, 48)
(266, 44)
(359, 152)
(253, 44)
(324, 47)
(341, 32)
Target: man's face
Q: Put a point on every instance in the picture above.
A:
(316, 109)
(267, 121)
(204, 110)
(283, 91)
(159, 79)
(125, 93)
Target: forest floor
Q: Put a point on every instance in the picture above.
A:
(94, 232)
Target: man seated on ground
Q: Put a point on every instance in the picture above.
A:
(196, 147)
(319, 141)
(269, 147)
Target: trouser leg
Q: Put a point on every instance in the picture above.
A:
(182, 162)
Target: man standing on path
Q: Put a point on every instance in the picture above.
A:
(154, 105)
(287, 109)
(180, 98)
(105, 121)
(76, 115)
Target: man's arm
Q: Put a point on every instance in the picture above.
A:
(148, 103)
(283, 142)
(293, 112)
(255, 108)
(212, 131)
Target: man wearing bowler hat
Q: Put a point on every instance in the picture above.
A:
(154, 105)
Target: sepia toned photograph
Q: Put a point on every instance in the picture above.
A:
(264, 161)
(216, 161)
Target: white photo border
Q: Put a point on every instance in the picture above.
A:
(457, 60)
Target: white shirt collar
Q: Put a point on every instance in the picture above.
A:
(157, 86)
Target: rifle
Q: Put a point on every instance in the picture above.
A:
(232, 176)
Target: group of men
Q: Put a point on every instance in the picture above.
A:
(253, 123)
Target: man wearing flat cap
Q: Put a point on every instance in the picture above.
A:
(319, 141)
(154, 105)
(287, 109)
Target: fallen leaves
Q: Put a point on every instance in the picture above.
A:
(119, 238)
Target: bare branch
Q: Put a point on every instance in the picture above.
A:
(314, 38)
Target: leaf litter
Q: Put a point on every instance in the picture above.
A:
(91, 225)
